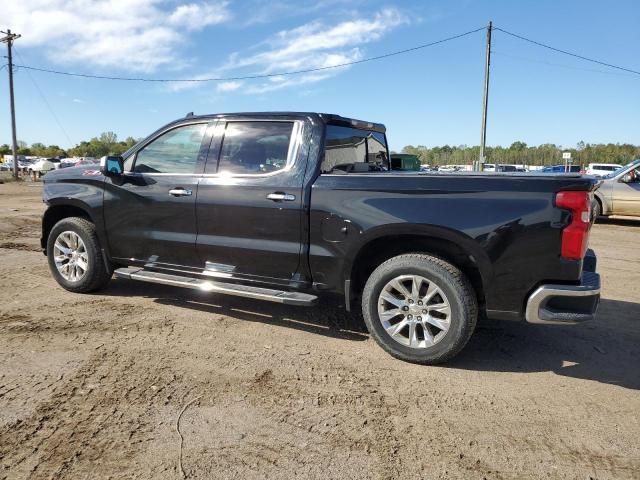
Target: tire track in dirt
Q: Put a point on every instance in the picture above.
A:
(102, 413)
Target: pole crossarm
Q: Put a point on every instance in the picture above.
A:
(9, 37)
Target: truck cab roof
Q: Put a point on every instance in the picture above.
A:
(329, 118)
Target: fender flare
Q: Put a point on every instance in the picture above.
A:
(599, 197)
(58, 203)
(459, 239)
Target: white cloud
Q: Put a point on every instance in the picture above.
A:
(229, 86)
(135, 35)
(77, 100)
(311, 46)
(196, 16)
(265, 12)
(286, 82)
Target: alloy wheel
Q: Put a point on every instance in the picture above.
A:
(70, 256)
(414, 311)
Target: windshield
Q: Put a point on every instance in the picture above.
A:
(619, 170)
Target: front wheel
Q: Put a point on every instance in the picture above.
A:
(419, 308)
(75, 257)
(597, 210)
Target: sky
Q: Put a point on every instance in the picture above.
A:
(431, 96)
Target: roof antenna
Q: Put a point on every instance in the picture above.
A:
(190, 114)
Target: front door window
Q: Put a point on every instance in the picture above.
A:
(175, 151)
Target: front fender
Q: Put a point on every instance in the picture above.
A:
(73, 197)
(601, 195)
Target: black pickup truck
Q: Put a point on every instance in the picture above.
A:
(290, 207)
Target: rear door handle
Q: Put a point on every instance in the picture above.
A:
(281, 196)
(180, 192)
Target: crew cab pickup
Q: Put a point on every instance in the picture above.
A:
(293, 207)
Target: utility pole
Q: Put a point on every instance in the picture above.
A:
(8, 39)
(485, 100)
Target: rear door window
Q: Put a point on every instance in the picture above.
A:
(254, 147)
(353, 150)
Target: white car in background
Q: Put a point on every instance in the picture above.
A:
(40, 166)
(602, 169)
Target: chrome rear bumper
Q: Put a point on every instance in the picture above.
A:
(565, 304)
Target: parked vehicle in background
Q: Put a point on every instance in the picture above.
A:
(291, 207)
(68, 162)
(25, 163)
(84, 161)
(55, 161)
(619, 193)
(500, 167)
(41, 166)
(405, 162)
(601, 169)
(561, 169)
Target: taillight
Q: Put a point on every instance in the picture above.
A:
(575, 236)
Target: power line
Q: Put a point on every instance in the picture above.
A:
(257, 76)
(561, 65)
(610, 65)
(55, 117)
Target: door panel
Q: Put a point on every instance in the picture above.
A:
(150, 213)
(626, 196)
(145, 222)
(240, 229)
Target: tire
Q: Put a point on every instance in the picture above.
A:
(597, 210)
(97, 274)
(430, 345)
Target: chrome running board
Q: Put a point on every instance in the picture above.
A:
(258, 293)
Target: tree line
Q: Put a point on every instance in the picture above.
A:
(520, 153)
(517, 153)
(105, 144)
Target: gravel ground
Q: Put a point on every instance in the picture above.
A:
(92, 386)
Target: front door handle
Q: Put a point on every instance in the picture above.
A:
(281, 196)
(180, 192)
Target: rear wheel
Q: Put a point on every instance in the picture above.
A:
(419, 308)
(75, 257)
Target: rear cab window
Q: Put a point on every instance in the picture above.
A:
(354, 150)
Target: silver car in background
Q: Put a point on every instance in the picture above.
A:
(619, 192)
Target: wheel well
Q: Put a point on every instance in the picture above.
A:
(381, 249)
(56, 213)
(597, 199)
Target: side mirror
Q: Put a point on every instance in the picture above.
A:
(626, 178)
(111, 166)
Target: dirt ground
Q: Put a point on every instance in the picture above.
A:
(91, 386)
